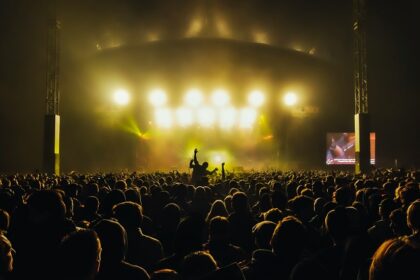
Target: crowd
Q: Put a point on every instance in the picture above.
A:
(259, 225)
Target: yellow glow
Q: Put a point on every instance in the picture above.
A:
(312, 51)
(190, 145)
(114, 44)
(256, 98)
(220, 97)
(158, 97)
(261, 37)
(227, 118)
(184, 116)
(218, 159)
(218, 156)
(195, 27)
(247, 118)
(297, 47)
(194, 97)
(163, 118)
(121, 97)
(222, 28)
(290, 98)
(206, 117)
(152, 36)
(131, 126)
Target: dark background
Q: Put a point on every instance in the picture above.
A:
(323, 26)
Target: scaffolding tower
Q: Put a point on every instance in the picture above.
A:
(51, 160)
(361, 117)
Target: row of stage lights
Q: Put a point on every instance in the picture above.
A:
(194, 98)
(194, 111)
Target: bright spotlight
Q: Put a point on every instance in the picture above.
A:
(158, 97)
(194, 97)
(206, 116)
(256, 98)
(121, 97)
(220, 98)
(227, 118)
(290, 99)
(247, 118)
(217, 158)
(184, 117)
(163, 118)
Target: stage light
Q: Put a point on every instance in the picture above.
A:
(206, 116)
(121, 97)
(163, 118)
(218, 156)
(184, 117)
(218, 159)
(158, 97)
(290, 99)
(220, 97)
(194, 97)
(227, 118)
(256, 98)
(247, 118)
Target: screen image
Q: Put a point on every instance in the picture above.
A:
(341, 148)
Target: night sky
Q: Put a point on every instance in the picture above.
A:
(322, 27)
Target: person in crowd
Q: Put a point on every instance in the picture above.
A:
(398, 222)
(169, 221)
(36, 233)
(79, 255)
(381, 229)
(309, 269)
(165, 274)
(189, 237)
(262, 232)
(199, 171)
(337, 227)
(89, 211)
(113, 239)
(396, 258)
(242, 221)
(219, 244)
(6, 258)
(288, 244)
(142, 250)
(4, 221)
(197, 265)
(273, 215)
(413, 221)
(218, 208)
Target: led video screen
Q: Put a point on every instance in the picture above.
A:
(341, 148)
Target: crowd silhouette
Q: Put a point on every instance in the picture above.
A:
(256, 225)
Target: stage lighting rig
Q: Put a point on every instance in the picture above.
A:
(121, 97)
(220, 98)
(256, 98)
(247, 118)
(227, 118)
(163, 118)
(290, 99)
(185, 117)
(194, 97)
(158, 97)
(206, 117)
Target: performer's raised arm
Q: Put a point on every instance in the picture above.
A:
(195, 157)
(214, 171)
(223, 171)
